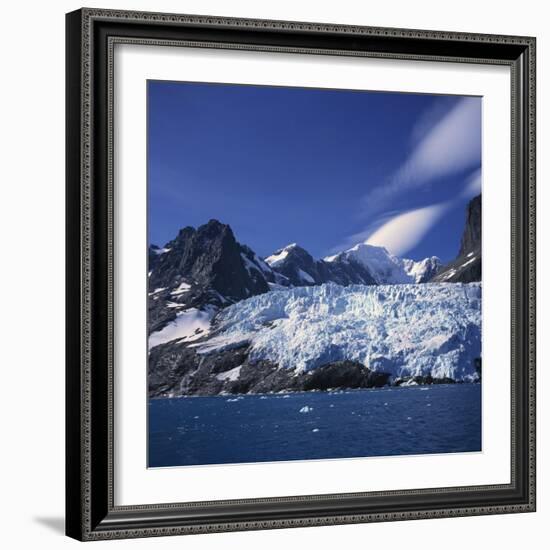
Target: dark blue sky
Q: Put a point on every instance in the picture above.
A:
(322, 168)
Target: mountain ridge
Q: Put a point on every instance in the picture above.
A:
(205, 269)
(207, 266)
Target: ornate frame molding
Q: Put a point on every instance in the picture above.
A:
(91, 36)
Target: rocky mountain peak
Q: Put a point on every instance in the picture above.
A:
(466, 268)
(281, 255)
(209, 257)
(471, 237)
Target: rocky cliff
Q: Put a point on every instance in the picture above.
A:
(466, 268)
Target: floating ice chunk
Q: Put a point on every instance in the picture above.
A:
(306, 409)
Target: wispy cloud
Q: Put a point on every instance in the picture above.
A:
(452, 145)
(445, 143)
(403, 232)
(364, 234)
(473, 186)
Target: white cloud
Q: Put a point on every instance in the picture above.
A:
(473, 186)
(452, 145)
(447, 143)
(403, 232)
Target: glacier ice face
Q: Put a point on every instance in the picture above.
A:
(404, 330)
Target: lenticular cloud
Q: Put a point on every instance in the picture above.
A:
(451, 146)
(403, 232)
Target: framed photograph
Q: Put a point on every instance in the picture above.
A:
(277, 314)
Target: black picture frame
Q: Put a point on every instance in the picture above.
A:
(90, 510)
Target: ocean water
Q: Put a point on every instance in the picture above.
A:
(314, 425)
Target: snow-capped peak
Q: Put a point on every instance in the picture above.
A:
(387, 268)
(423, 270)
(280, 255)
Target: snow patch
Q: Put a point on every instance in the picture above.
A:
(263, 266)
(276, 259)
(182, 289)
(188, 325)
(174, 305)
(276, 286)
(305, 276)
(156, 291)
(450, 274)
(468, 262)
(249, 264)
(230, 375)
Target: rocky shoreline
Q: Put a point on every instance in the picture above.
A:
(177, 371)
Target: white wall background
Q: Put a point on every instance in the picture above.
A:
(32, 271)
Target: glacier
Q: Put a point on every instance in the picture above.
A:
(404, 330)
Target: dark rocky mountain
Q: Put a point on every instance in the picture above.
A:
(471, 238)
(211, 257)
(301, 269)
(207, 267)
(204, 266)
(466, 268)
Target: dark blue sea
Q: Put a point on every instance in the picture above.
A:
(304, 426)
